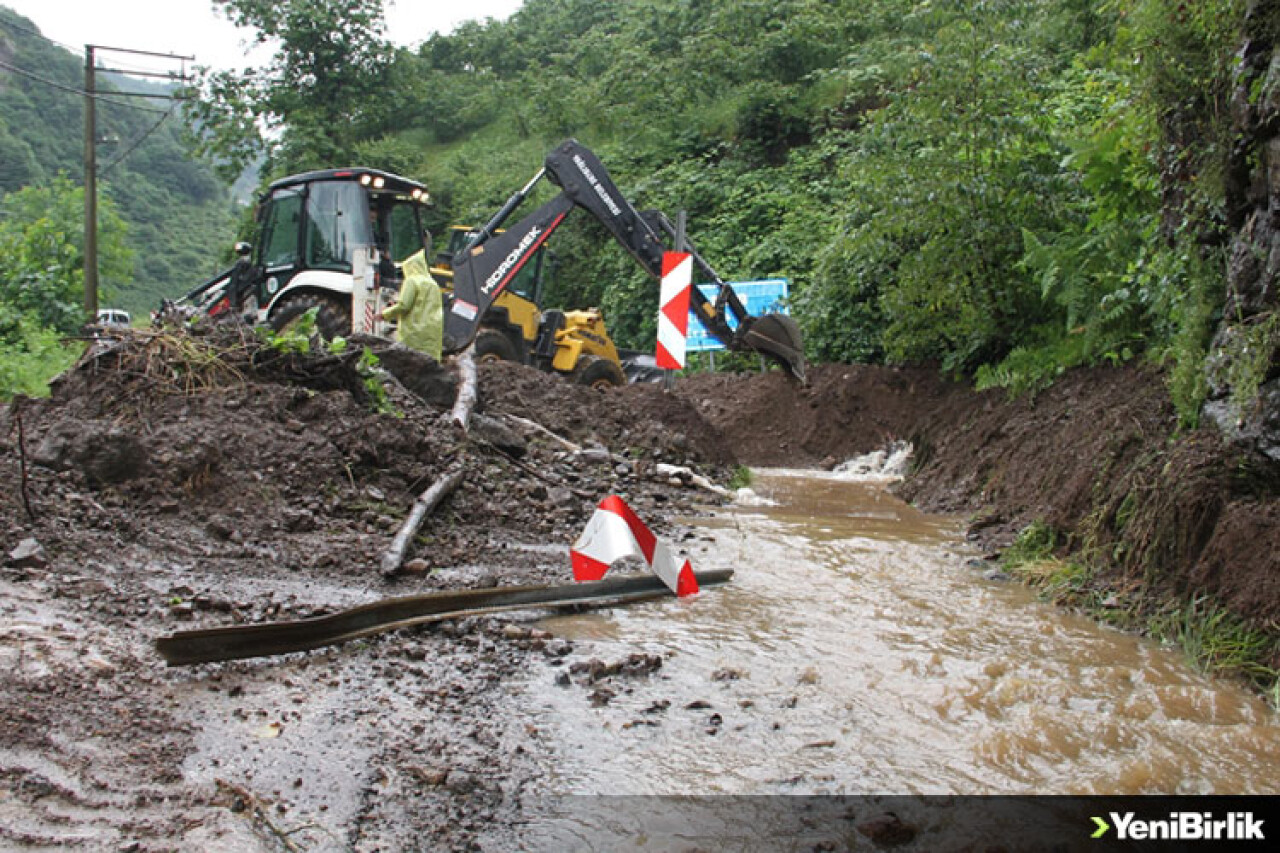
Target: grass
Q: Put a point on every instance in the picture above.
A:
(1214, 640)
(1217, 641)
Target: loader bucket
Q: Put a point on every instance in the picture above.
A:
(778, 337)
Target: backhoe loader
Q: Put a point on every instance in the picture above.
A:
(332, 240)
(573, 343)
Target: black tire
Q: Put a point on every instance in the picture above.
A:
(493, 345)
(333, 319)
(599, 373)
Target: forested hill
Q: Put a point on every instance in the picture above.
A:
(177, 220)
(1004, 188)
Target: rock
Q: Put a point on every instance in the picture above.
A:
(28, 555)
(105, 453)
(594, 455)
(460, 781)
(887, 830)
(498, 434)
(416, 566)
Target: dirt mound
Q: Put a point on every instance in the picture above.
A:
(203, 442)
(842, 411)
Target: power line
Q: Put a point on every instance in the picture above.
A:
(133, 147)
(73, 90)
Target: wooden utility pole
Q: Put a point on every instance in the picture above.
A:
(91, 155)
(90, 190)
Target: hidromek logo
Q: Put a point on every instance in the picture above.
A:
(1183, 826)
(511, 260)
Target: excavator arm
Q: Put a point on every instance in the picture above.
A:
(492, 259)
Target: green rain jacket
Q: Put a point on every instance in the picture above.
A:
(420, 311)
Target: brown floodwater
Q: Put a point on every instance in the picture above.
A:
(858, 650)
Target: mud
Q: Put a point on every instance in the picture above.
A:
(175, 483)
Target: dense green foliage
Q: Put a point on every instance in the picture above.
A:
(176, 210)
(1006, 188)
(164, 218)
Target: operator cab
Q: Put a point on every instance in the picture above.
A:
(315, 222)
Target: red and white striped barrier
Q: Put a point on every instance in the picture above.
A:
(614, 532)
(673, 309)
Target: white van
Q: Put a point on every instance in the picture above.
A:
(113, 317)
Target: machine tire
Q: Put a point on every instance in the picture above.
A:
(493, 345)
(332, 320)
(599, 373)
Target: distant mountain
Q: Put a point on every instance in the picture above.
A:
(181, 216)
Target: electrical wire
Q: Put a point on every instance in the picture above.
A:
(132, 147)
(102, 99)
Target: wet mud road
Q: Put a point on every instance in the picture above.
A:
(861, 650)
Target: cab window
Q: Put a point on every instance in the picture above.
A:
(405, 229)
(337, 222)
(279, 244)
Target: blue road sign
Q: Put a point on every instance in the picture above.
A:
(760, 297)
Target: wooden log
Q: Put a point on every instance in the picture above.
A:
(467, 389)
(393, 558)
(537, 427)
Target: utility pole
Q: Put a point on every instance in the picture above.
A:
(91, 155)
(90, 189)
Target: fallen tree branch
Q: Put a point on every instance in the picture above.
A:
(393, 558)
(689, 477)
(467, 390)
(24, 477)
(537, 427)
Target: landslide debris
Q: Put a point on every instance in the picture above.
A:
(180, 480)
(223, 446)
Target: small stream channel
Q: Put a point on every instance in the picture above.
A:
(858, 651)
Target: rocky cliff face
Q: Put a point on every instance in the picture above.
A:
(1245, 349)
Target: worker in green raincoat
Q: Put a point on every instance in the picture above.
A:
(419, 311)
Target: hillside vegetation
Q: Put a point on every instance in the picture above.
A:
(165, 217)
(1007, 188)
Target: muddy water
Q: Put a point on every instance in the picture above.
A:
(858, 651)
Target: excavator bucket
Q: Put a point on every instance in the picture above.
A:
(777, 336)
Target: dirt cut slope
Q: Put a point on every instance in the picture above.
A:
(1097, 457)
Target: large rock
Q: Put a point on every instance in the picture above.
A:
(105, 454)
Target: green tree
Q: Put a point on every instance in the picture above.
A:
(324, 89)
(42, 253)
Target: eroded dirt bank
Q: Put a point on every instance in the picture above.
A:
(1097, 457)
(174, 486)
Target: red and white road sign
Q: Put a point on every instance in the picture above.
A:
(673, 308)
(615, 532)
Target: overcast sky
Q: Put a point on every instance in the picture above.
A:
(193, 28)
